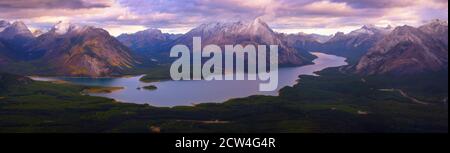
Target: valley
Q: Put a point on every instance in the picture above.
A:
(327, 103)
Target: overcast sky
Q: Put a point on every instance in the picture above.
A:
(179, 16)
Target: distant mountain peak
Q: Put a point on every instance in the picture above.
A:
(339, 34)
(254, 27)
(63, 27)
(18, 28)
(438, 22)
(368, 26)
(435, 27)
(244, 33)
(372, 26)
(258, 25)
(19, 24)
(371, 29)
(311, 37)
(152, 31)
(389, 26)
(211, 27)
(258, 22)
(403, 29)
(4, 24)
(82, 51)
(37, 33)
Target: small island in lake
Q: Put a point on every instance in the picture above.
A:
(150, 87)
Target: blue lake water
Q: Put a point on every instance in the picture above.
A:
(178, 93)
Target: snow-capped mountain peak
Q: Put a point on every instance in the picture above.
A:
(408, 50)
(371, 30)
(435, 26)
(258, 23)
(438, 22)
(38, 32)
(18, 28)
(63, 27)
(258, 26)
(20, 25)
(3, 25)
(153, 31)
(255, 27)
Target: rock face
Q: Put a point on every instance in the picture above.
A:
(408, 50)
(72, 50)
(356, 43)
(255, 33)
(13, 38)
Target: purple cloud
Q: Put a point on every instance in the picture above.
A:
(51, 4)
(181, 14)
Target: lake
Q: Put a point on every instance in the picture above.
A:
(182, 93)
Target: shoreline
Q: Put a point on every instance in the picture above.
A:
(192, 104)
(108, 77)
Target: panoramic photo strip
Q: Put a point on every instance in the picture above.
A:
(207, 75)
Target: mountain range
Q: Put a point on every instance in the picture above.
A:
(408, 50)
(244, 33)
(148, 43)
(75, 50)
(158, 44)
(352, 45)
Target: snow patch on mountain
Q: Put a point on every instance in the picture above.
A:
(18, 28)
(63, 27)
(3, 25)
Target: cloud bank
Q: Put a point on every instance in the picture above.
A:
(178, 16)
